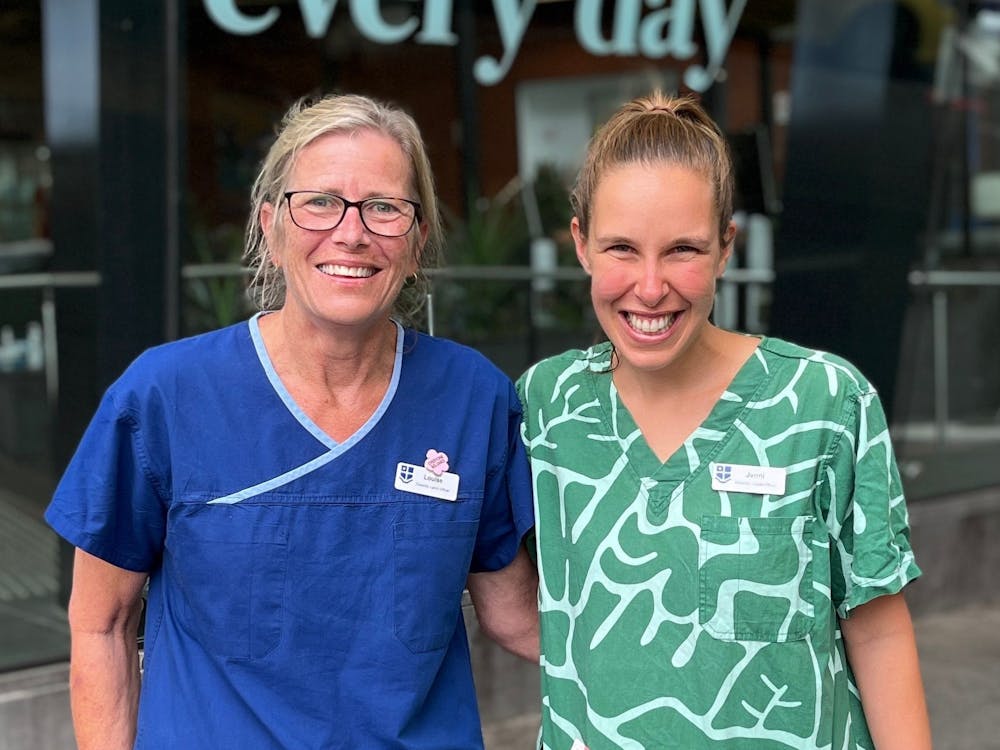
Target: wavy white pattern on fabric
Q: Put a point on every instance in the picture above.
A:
(675, 615)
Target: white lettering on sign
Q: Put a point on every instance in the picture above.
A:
(666, 31)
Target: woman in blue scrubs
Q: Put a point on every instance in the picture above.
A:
(307, 493)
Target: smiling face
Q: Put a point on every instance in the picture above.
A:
(348, 276)
(654, 254)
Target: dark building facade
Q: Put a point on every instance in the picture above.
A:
(130, 133)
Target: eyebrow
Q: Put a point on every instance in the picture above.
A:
(341, 195)
(614, 239)
(620, 239)
(695, 240)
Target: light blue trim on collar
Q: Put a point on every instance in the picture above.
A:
(334, 448)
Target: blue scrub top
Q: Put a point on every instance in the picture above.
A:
(303, 593)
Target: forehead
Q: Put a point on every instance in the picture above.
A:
(655, 187)
(348, 157)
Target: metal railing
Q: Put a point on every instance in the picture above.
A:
(47, 283)
(726, 310)
(939, 284)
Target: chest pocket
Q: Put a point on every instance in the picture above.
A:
(431, 561)
(230, 565)
(756, 578)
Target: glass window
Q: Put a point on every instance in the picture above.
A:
(506, 120)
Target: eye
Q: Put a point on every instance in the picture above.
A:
(620, 249)
(320, 200)
(382, 208)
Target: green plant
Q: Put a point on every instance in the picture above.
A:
(494, 234)
(218, 300)
(551, 189)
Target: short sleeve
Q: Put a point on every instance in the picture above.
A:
(508, 512)
(868, 522)
(106, 502)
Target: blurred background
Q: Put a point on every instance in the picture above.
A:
(867, 141)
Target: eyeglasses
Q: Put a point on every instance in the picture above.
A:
(323, 212)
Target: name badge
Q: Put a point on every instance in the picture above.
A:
(757, 480)
(421, 481)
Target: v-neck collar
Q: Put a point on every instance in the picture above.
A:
(662, 478)
(296, 411)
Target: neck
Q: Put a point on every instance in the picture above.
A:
(340, 359)
(708, 366)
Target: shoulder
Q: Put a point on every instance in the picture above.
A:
(814, 367)
(453, 367)
(560, 369)
(424, 348)
(180, 365)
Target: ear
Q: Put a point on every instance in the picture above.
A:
(267, 218)
(423, 232)
(581, 244)
(728, 241)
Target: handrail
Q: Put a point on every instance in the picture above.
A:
(941, 279)
(50, 280)
(938, 282)
(484, 273)
(62, 279)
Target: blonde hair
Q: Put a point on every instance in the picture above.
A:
(304, 122)
(658, 128)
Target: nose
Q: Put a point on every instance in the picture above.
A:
(351, 230)
(651, 286)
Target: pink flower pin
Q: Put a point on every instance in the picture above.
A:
(437, 462)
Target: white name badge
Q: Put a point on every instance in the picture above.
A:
(758, 480)
(420, 481)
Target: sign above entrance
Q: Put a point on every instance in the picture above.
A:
(663, 32)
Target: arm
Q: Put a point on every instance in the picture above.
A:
(506, 603)
(882, 651)
(104, 609)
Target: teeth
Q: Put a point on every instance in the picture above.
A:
(650, 325)
(353, 271)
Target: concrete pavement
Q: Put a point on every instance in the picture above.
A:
(960, 661)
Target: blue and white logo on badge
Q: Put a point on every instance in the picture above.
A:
(421, 481)
(756, 480)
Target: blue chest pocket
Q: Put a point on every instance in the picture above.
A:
(431, 560)
(230, 564)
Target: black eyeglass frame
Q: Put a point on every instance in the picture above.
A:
(353, 204)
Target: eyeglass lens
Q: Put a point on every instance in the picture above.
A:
(389, 217)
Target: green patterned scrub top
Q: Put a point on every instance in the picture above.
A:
(696, 603)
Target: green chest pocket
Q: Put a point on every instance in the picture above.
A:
(756, 578)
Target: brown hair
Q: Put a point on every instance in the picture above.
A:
(658, 128)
